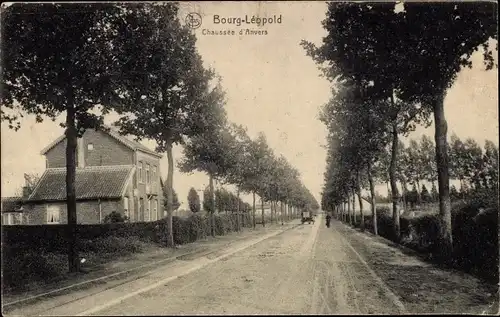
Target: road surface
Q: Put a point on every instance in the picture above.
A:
(308, 269)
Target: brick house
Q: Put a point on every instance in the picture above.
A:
(113, 174)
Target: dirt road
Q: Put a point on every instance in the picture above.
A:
(309, 269)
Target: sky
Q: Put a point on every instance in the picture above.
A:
(271, 86)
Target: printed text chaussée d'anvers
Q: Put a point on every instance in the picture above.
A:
(233, 32)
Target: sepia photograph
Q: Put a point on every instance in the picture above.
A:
(249, 158)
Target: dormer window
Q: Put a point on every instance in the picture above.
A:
(90, 146)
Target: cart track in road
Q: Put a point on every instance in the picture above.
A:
(331, 286)
(303, 263)
(386, 290)
(203, 264)
(343, 281)
(258, 280)
(352, 293)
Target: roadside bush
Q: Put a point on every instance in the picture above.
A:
(421, 233)
(474, 229)
(198, 226)
(475, 240)
(21, 268)
(115, 217)
(111, 245)
(483, 198)
(219, 226)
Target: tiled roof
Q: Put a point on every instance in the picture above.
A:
(91, 182)
(131, 144)
(12, 204)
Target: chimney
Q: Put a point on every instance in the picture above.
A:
(26, 188)
(80, 152)
(26, 192)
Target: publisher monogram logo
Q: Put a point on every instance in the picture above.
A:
(193, 20)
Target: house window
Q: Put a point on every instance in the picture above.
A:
(26, 218)
(155, 171)
(90, 146)
(149, 210)
(141, 209)
(148, 179)
(53, 214)
(7, 218)
(125, 207)
(140, 172)
(155, 209)
(18, 218)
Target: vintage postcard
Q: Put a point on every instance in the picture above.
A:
(257, 157)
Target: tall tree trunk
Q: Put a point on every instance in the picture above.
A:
(349, 209)
(170, 195)
(271, 206)
(358, 189)
(342, 211)
(405, 194)
(394, 187)
(441, 127)
(346, 212)
(353, 223)
(276, 213)
(419, 197)
(212, 204)
(253, 211)
(72, 238)
(262, 209)
(287, 211)
(344, 205)
(374, 202)
(238, 228)
(281, 207)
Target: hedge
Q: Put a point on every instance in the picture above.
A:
(38, 253)
(475, 236)
(52, 238)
